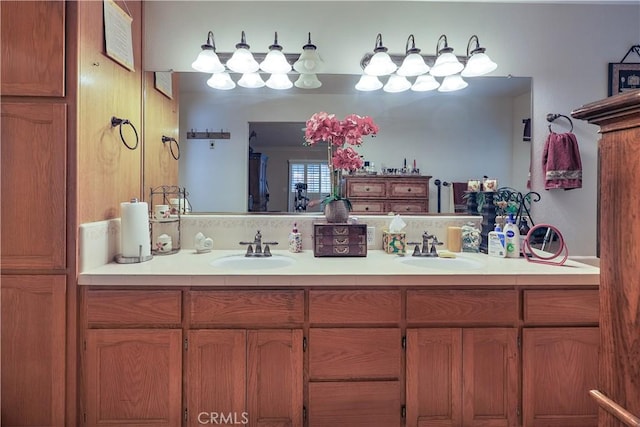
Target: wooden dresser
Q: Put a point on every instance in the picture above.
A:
(390, 193)
(619, 236)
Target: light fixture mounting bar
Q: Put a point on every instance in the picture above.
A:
(397, 59)
(258, 56)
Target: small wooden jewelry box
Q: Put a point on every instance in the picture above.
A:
(349, 240)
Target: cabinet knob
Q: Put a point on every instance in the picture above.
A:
(367, 208)
(366, 189)
(408, 190)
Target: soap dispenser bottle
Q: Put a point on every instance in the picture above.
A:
(295, 240)
(512, 238)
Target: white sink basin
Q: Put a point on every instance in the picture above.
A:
(449, 264)
(241, 262)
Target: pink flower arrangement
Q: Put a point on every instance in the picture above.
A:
(341, 137)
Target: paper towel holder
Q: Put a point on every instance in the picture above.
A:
(120, 259)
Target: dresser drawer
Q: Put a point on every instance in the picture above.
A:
(408, 206)
(363, 187)
(408, 188)
(354, 307)
(462, 307)
(354, 353)
(264, 308)
(561, 307)
(134, 308)
(367, 206)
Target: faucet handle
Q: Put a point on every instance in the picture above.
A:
(267, 250)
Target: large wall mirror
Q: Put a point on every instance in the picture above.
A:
(453, 137)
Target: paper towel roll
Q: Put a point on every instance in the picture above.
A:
(134, 229)
(454, 239)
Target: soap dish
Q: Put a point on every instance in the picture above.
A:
(203, 250)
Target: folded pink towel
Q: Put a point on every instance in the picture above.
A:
(561, 162)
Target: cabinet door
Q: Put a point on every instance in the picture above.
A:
(434, 377)
(134, 377)
(560, 366)
(274, 387)
(33, 343)
(216, 375)
(33, 48)
(33, 176)
(490, 377)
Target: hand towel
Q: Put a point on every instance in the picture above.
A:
(561, 162)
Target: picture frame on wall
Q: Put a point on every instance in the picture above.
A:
(623, 77)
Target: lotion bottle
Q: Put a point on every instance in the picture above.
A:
(295, 240)
(497, 243)
(512, 238)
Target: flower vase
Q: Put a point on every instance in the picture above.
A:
(336, 211)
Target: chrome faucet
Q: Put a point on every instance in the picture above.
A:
(427, 251)
(259, 251)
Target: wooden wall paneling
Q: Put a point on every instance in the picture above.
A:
(33, 351)
(34, 155)
(33, 48)
(108, 172)
(160, 119)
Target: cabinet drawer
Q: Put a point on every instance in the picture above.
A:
(408, 206)
(465, 306)
(264, 308)
(561, 307)
(408, 188)
(361, 307)
(133, 307)
(367, 206)
(365, 188)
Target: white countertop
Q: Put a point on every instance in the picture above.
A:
(188, 268)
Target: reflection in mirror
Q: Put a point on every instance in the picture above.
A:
(544, 244)
(453, 137)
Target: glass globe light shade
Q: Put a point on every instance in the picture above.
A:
(221, 81)
(478, 64)
(275, 63)
(396, 84)
(380, 64)
(446, 65)
(412, 65)
(308, 81)
(452, 83)
(368, 83)
(242, 61)
(251, 80)
(309, 62)
(207, 62)
(279, 81)
(424, 83)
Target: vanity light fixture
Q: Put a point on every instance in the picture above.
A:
(397, 84)
(478, 62)
(279, 81)
(368, 83)
(380, 63)
(446, 62)
(452, 83)
(413, 63)
(309, 61)
(251, 80)
(242, 60)
(275, 61)
(308, 81)
(207, 60)
(221, 81)
(424, 83)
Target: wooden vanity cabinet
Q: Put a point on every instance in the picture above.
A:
(465, 375)
(355, 358)
(383, 194)
(244, 357)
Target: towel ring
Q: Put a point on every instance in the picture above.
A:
(170, 140)
(552, 117)
(115, 121)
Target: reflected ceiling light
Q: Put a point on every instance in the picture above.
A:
(242, 60)
(424, 83)
(275, 61)
(446, 62)
(221, 81)
(478, 62)
(308, 81)
(380, 63)
(413, 63)
(251, 80)
(397, 84)
(279, 81)
(207, 60)
(309, 61)
(452, 83)
(368, 83)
